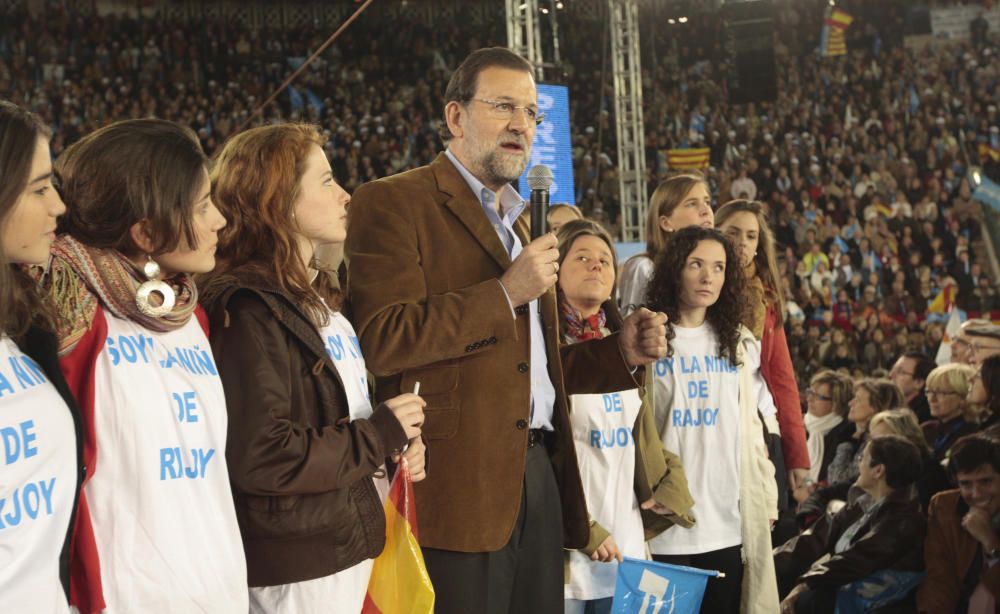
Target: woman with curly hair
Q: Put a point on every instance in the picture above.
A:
(679, 201)
(706, 396)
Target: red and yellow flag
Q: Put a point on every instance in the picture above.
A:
(833, 36)
(944, 300)
(986, 151)
(399, 582)
(687, 159)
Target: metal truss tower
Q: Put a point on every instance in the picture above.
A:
(523, 33)
(627, 75)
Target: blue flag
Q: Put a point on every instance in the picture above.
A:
(988, 193)
(295, 98)
(914, 100)
(647, 587)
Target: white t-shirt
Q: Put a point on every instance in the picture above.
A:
(159, 496)
(697, 414)
(605, 449)
(37, 484)
(345, 590)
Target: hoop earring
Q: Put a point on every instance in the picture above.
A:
(154, 285)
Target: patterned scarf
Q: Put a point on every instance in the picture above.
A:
(579, 328)
(79, 276)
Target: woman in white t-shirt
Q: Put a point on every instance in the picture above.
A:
(157, 529)
(307, 449)
(608, 434)
(39, 426)
(710, 397)
(679, 201)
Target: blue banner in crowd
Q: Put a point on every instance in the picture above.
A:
(647, 587)
(988, 193)
(553, 146)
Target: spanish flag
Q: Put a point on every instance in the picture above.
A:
(687, 159)
(943, 302)
(832, 39)
(986, 151)
(399, 583)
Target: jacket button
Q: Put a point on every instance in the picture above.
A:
(523, 367)
(522, 424)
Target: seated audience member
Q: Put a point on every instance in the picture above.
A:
(560, 213)
(827, 402)
(962, 550)
(934, 478)
(984, 341)
(954, 416)
(910, 374)
(881, 531)
(871, 396)
(984, 392)
(960, 343)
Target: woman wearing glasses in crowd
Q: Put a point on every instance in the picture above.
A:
(307, 450)
(827, 401)
(952, 415)
(744, 223)
(628, 478)
(157, 530)
(871, 396)
(709, 396)
(679, 201)
(38, 416)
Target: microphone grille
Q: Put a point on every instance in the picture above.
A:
(540, 177)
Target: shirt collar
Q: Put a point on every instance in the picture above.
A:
(511, 203)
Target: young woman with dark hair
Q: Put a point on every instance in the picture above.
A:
(680, 200)
(307, 449)
(629, 479)
(38, 416)
(745, 224)
(157, 529)
(709, 401)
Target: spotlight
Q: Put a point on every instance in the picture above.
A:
(545, 11)
(559, 5)
(683, 20)
(671, 21)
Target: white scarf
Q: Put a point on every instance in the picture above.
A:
(817, 429)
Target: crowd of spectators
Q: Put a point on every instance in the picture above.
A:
(860, 158)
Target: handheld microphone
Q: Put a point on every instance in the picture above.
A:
(539, 180)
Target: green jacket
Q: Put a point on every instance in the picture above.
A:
(659, 475)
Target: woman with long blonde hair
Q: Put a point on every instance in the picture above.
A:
(679, 201)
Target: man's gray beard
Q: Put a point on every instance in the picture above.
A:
(500, 170)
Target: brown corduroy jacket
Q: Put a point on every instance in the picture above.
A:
(424, 264)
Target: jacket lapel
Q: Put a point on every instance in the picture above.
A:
(460, 200)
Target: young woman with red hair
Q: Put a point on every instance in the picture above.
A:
(307, 450)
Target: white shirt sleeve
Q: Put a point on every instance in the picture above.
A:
(765, 402)
(632, 284)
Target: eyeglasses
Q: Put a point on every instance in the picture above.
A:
(900, 371)
(822, 397)
(505, 110)
(975, 348)
(939, 393)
